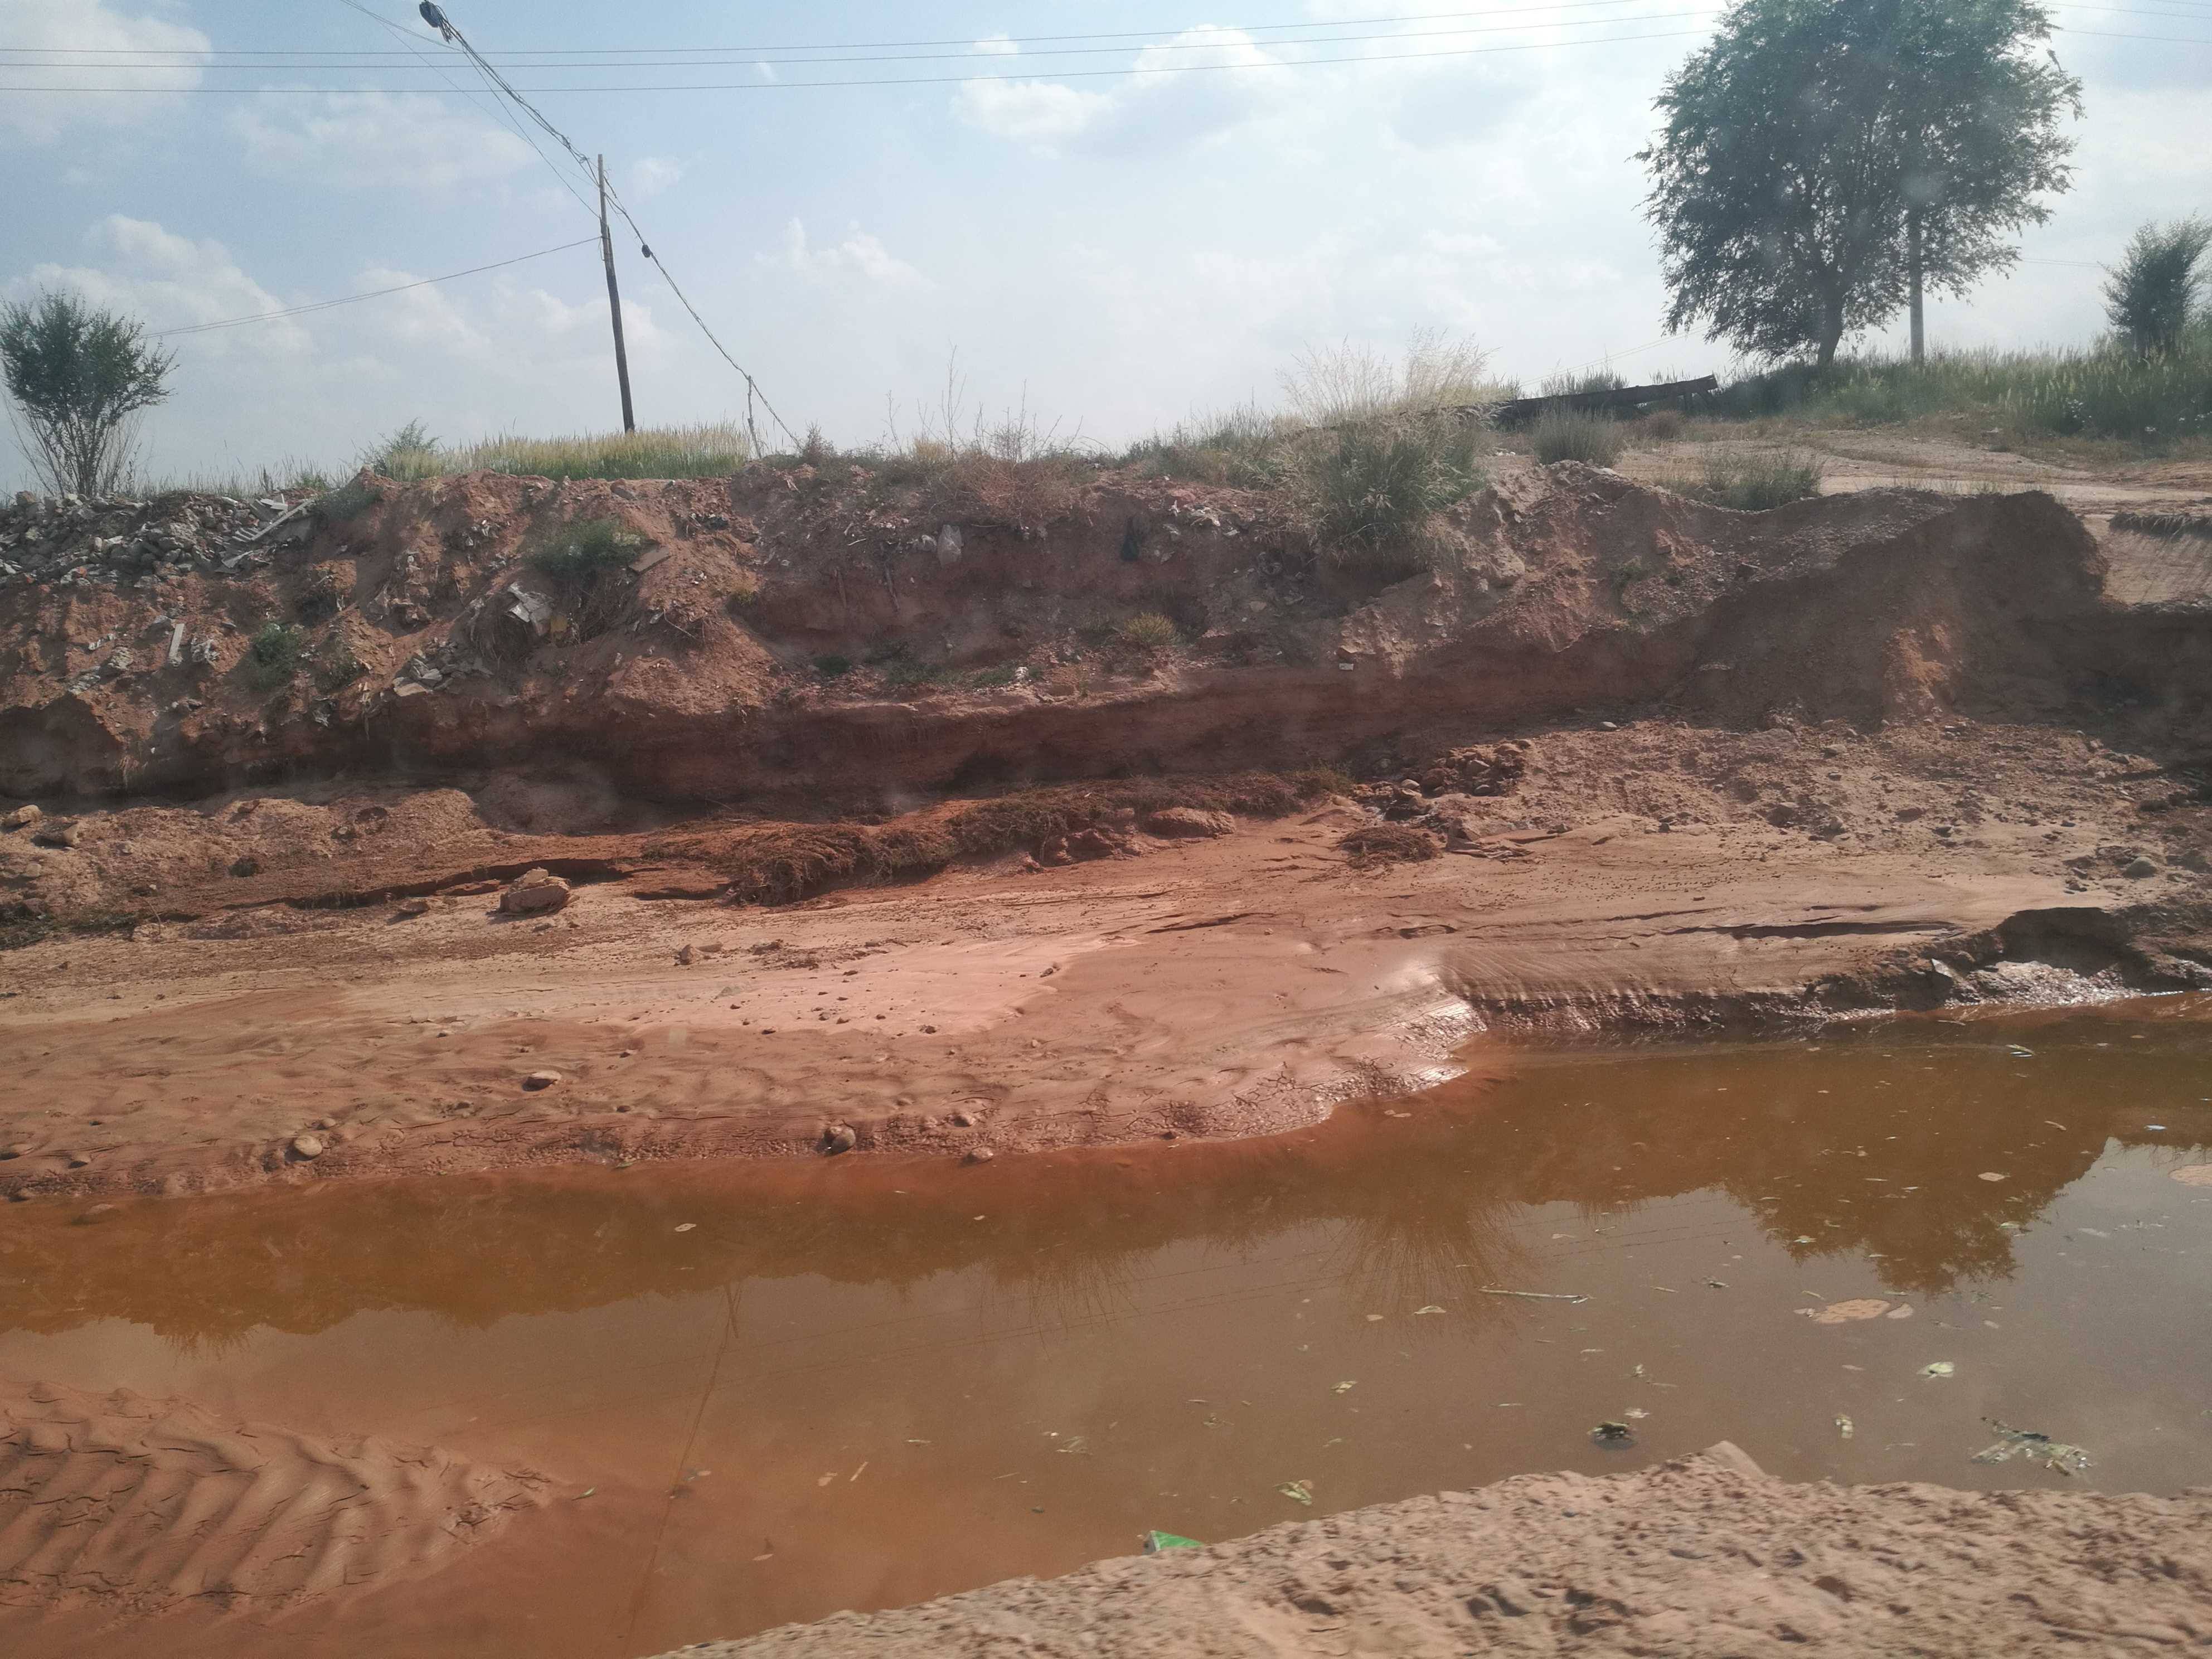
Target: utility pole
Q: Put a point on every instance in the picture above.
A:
(614, 302)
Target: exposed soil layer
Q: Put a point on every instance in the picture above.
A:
(1616, 758)
(124, 1505)
(1704, 1555)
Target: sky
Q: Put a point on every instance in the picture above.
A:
(1111, 216)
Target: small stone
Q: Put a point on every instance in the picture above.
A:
(839, 1137)
(541, 1079)
(97, 1213)
(306, 1146)
(533, 893)
(408, 909)
(978, 1155)
(77, 1160)
(2139, 868)
(929, 1030)
(22, 817)
(685, 956)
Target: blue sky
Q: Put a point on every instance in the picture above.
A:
(1115, 251)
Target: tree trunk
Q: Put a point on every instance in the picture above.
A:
(1912, 258)
(1832, 330)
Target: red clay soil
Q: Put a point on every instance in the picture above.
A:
(1704, 1558)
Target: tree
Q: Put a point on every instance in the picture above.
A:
(2148, 297)
(1823, 160)
(77, 376)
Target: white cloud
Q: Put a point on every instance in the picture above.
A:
(998, 45)
(168, 281)
(860, 253)
(88, 26)
(1177, 95)
(649, 175)
(360, 138)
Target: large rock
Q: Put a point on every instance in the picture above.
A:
(1188, 821)
(535, 892)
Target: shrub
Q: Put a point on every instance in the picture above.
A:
(1752, 483)
(409, 454)
(339, 667)
(1662, 426)
(584, 549)
(1374, 484)
(272, 657)
(348, 500)
(1572, 434)
(831, 666)
(1149, 630)
(80, 378)
(2150, 296)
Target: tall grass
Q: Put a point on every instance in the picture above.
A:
(711, 449)
(2106, 390)
(1752, 483)
(1564, 433)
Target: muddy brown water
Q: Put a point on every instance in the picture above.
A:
(864, 1383)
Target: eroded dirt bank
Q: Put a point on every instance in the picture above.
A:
(1702, 1556)
(1612, 758)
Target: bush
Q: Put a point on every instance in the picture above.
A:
(1372, 486)
(1377, 844)
(831, 666)
(2150, 296)
(79, 378)
(1572, 434)
(1752, 483)
(347, 501)
(409, 454)
(1661, 426)
(339, 667)
(1149, 630)
(272, 657)
(584, 549)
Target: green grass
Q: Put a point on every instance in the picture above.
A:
(273, 656)
(711, 450)
(581, 551)
(1373, 485)
(1754, 483)
(1568, 434)
(1149, 630)
(2106, 390)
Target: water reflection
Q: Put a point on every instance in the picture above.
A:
(1882, 1142)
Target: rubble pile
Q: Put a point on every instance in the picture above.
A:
(84, 540)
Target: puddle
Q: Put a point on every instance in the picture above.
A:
(858, 1383)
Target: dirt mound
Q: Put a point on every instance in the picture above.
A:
(1702, 1556)
(807, 637)
(139, 1504)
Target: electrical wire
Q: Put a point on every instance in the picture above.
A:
(372, 293)
(752, 387)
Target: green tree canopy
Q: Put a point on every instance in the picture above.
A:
(2149, 295)
(77, 375)
(1808, 146)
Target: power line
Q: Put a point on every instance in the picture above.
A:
(919, 80)
(494, 106)
(644, 249)
(372, 293)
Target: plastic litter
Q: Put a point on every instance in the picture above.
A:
(1299, 1491)
(2011, 1443)
(1844, 1425)
(1614, 1436)
(1155, 1542)
(1344, 1388)
(1938, 1368)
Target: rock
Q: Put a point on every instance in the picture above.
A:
(541, 1080)
(966, 1119)
(2142, 867)
(307, 1147)
(2194, 859)
(978, 1155)
(55, 835)
(839, 1137)
(1188, 821)
(685, 956)
(408, 909)
(22, 817)
(96, 1214)
(533, 893)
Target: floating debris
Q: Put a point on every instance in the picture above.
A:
(1992, 1175)
(1844, 1425)
(1537, 1296)
(1344, 1388)
(1430, 1308)
(1614, 1436)
(2012, 1443)
(1298, 1491)
(1155, 1542)
(1938, 1368)
(1843, 1313)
